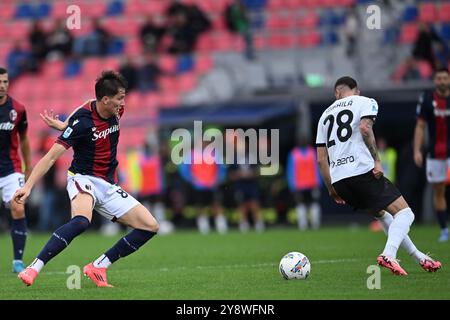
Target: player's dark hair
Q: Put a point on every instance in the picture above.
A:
(439, 70)
(347, 81)
(109, 83)
(3, 70)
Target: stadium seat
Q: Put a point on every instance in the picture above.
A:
(133, 47)
(42, 10)
(53, 70)
(167, 63)
(310, 39)
(24, 11)
(115, 8)
(445, 32)
(19, 29)
(408, 33)
(283, 21)
(203, 63)
(410, 14)
(309, 20)
(444, 12)
(7, 11)
(427, 12)
(185, 63)
(168, 100)
(187, 82)
(116, 46)
(282, 41)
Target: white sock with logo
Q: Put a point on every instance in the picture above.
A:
(398, 230)
(37, 265)
(102, 262)
(407, 243)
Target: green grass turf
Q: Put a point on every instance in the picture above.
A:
(187, 265)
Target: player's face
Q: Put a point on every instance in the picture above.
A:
(4, 84)
(116, 102)
(442, 81)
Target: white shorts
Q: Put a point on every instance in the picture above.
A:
(10, 184)
(437, 170)
(109, 199)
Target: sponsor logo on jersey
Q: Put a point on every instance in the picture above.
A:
(7, 126)
(441, 113)
(75, 122)
(13, 115)
(67, 132)
(103, 134)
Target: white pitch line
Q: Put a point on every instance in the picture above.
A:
(230, 266)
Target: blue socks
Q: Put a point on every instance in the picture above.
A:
(62, 237)
(18, 236)
(129, 244)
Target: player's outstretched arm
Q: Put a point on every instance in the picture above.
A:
(324, 167)
(39, 170)
(419, 134)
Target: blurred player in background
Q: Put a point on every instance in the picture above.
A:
(433, 111)
(93, 132)
(13, 131)
(351, 168)
(304, 182)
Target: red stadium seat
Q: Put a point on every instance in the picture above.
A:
(7, 11)
(167, 63)
(273, 5)
(408, 33)
(204, 42)
(187, 82)
(282, 21)
(19, 29)
(133, 47)
(310, 39)
(281, 41)
(427, 12)
(154, 7)
(92, 66)
(168, 83)
(203, 63)
(444, 12)
(169, 100)
(53, 70)
(308, 20)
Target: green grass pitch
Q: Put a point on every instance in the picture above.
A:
(186, 265)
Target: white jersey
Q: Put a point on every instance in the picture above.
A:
(338, 130)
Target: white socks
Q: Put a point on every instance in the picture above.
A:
(221, 224)
(37, 265)
(398, 230)
(203, 224)
(102, 262)
(315, 215)
(407, 243)
(302, 221)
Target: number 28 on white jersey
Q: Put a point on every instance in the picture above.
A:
(338, 130)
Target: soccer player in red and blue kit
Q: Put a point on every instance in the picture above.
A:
(93, 133)
(433, 111)
(13, 132)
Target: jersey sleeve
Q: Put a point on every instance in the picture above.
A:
(23, 123)
(320, 137)
(369, 109)
(73, 133)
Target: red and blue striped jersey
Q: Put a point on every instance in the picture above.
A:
(435, 110)
(94, 141)
(13, 121)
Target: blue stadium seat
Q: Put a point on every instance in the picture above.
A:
(116, 46)
(255, 4)
(330, 38)
(185, 63)
(42, 10)
(445, 32)
(410, 14)
(115, 8)
(72, 68)
(24, 11)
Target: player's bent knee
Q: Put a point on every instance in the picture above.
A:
(17, 210)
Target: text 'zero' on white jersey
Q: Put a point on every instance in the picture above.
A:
(338, 130)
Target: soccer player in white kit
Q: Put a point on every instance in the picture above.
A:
(351, 168)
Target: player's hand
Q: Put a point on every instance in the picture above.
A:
(336, 197)
(21, 195)
(52, 120)
(378, 170)
(418, 159)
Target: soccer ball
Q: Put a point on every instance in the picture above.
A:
(295, 265)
